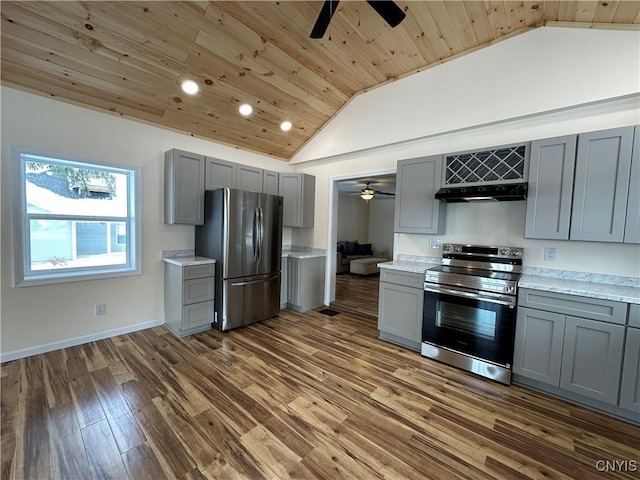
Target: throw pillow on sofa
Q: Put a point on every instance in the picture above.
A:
(362, 249)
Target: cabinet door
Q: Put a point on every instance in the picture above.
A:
(551, 171)
(184, 188)
(630, 388)
(603, 165)
(219, 174)
(249, 178)
(632, 226)
(284, 283)
(298, 192)
(293, 287)
(270, 182)
(400, 311)
(417, 210)
(592, 358)
(538, 345)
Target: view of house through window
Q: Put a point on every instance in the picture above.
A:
(77, 219)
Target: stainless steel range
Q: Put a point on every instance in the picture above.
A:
(469, 310)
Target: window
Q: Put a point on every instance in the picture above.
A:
(74, 220)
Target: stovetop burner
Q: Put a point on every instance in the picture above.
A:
(478, 267)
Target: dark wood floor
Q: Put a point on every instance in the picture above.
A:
(300, 396)
(357, 292)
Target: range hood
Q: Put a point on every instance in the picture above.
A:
(483, 193)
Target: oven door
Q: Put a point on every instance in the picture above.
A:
(473, 323)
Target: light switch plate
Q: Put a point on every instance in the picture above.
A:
(434, 243)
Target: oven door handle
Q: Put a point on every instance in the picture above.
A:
(475, 296)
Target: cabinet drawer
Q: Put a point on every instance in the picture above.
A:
(198, 271)
(407, 279)
(584, 307)
(634, 315)
(198, 290)
(197, 314)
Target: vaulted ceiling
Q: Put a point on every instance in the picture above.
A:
(129, 58)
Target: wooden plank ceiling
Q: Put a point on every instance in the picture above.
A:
(129, 58)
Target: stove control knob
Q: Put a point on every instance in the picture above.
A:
(458, 249)
(447, 247)
(504, 251)
(515, 253)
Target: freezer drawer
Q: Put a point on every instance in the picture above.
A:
(248, 300)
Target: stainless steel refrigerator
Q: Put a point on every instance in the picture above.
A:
(242, 231)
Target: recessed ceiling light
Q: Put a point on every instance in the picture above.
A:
(245, 109)
(190, 87)
(285, 126)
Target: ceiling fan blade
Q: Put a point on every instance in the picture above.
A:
(385, 193)
(324, 17)
(389, 11)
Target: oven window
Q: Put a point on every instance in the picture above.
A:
(472, 320)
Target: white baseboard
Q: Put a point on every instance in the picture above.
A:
(71, 342)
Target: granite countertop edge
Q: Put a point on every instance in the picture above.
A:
(605, 291)
(188, 260)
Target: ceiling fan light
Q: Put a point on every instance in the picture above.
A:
(367, 194)
(189, 87)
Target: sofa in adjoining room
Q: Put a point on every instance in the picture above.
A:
(348, 251)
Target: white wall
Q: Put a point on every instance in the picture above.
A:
(543, 70)
(35, 316)
(381, 215)
(353, 219)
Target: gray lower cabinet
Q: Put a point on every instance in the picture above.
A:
(305, 283)
(298, 191)
(183, 187)
(400, 304)
(270, 182)
(538, 345)
(220, 174)
(630, 383)
(188, 297)
(249, 178)
(603, 165)
(417, 210)
(592, 358)
(284, 283)
(551, 168)
(632, 225)
(582, 358)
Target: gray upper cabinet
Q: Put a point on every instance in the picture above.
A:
(220, 174)
(270, 182)
(603, 164)
(630, 386)
(592, 359)
(632, 226)
(299, 195)
(249, 178)
(184, 187)
(417, 210)
(551, 169)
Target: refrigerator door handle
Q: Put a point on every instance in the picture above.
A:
(255, 235)
(260, 232)
(253, 282)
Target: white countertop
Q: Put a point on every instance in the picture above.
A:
(618, 293)
(314, 253)
(188, 261)
(586, 289)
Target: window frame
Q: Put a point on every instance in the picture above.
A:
(23, 274)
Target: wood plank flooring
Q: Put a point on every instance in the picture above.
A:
(357, 292)
(300, 396)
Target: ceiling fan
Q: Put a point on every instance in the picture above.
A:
(387, 9)
(368, 193)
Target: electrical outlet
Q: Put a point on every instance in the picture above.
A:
(99, 309)
(434, 243)
(549, 254)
